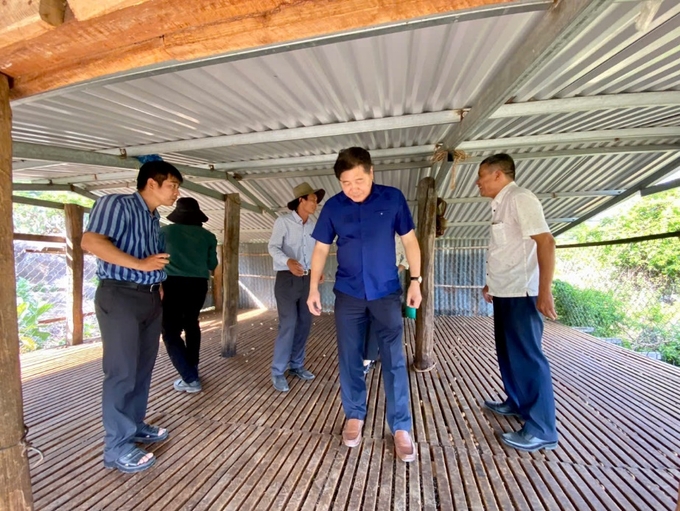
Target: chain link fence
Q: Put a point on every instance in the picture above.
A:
(627, 293)
(43, 295)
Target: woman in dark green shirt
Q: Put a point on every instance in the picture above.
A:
(193, 255)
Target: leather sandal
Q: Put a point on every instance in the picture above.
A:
(129, 463)
(148, 434)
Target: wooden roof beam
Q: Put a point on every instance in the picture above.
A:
(26, 19)
(160, 31)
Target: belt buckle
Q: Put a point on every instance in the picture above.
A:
(305, 272)
(153, 287)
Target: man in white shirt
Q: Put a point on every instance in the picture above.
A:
(291, 245)
(520, 267)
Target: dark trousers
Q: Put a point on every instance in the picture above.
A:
(525, 370)
(352, 316)
(183, 298)
(295, 321)
(130, 325)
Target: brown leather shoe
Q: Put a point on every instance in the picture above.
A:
(406, 449)
(351, 434)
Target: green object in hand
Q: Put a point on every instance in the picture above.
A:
(410, 312)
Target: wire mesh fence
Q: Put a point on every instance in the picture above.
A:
(626, 293)
(43, 295)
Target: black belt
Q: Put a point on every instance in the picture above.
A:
(304, 273)
(146, 288)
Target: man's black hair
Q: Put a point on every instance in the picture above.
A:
(350, 158)
(159, 171)
(504, 162)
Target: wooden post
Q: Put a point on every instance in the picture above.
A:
(232, 225)
(15, 478)
(427, 213)
(217, 281)
(74, 263)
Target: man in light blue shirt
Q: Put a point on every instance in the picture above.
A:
(291, 246)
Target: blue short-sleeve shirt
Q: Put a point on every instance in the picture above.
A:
(131, 227)
(365, 238)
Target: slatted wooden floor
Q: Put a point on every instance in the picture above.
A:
(241, 445)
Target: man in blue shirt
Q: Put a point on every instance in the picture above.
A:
(364, 218)
(291, 246)
(124, 234)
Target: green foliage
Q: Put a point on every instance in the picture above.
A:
(656, 214)
(642, 277)
(670, 352)
(588, 308)
(29, 311)
(39, 220)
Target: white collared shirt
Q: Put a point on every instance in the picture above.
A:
(512, 264)
(292, 239)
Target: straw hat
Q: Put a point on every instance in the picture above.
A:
(303, 190)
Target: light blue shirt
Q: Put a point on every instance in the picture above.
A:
(292, 239)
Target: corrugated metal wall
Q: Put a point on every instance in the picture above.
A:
(459, 278)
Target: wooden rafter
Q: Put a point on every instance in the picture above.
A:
(23, 20)
(128, 36)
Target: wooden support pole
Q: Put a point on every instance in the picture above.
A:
(74, 264)
(232, 226)
(217, 281)
(427, 212)
(15, 478)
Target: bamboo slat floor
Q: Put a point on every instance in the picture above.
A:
(241, 445)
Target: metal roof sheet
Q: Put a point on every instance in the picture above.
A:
(437, 68)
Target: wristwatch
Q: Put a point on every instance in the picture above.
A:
(418, 279)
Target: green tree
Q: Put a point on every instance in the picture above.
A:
(641, 276)
(38, 220)
(656, 214)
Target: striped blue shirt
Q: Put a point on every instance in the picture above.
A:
(132, 228)
(291, 239)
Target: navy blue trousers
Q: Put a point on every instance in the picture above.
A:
(295, 322)
(525, 370)
(352, 317)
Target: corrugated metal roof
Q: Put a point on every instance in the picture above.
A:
(432, 69)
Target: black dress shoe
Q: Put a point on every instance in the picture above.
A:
(523, 441)
(302, 373)
(501, 408)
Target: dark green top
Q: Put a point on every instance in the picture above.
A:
(192, 249)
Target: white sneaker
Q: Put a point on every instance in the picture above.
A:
(182, 386)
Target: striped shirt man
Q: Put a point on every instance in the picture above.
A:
(126, 220)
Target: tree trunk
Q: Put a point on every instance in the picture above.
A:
(232, 224)
(427, 211)
(15, 478)
(74, 262)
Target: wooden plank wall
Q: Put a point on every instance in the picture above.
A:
(241, 445)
